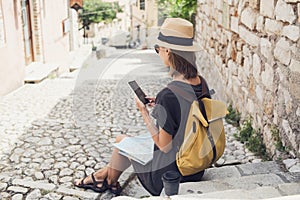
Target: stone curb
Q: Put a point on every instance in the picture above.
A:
(23, 186)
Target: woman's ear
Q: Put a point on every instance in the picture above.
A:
(168, 51)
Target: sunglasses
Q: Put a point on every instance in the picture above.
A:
(156, 48)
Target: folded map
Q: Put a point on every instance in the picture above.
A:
(138, 148)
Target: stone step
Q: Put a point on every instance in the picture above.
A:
(237, 171)
(78, 57)
(249, 169)
(261, 192)
(252, 176)
(288, 191)
(37, 72)
(244, 182)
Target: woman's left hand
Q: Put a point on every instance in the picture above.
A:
(139, 104)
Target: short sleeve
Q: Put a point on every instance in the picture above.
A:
(167, 111)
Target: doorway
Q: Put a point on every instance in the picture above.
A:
(27, 31)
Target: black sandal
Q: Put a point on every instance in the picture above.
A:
(115, 188)
(102, 188)
(84, 185)
(94, 185)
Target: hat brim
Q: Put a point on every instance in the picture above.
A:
(194, 47)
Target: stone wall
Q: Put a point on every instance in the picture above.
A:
(251, 57)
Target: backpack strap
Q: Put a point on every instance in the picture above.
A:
(187, 96)
(205, 92)
(190, 97)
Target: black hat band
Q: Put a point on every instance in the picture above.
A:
(175, 40)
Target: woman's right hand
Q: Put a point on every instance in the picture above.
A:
(151, 101)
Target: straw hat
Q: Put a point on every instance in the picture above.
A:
(178, 34)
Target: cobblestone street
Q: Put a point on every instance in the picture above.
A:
(61, 129)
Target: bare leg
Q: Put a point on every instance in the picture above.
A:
(118, 164)
(99, 175)
(112, 172)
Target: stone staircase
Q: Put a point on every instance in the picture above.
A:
(262, 180)
(37, 71)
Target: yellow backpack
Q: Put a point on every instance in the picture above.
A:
(204, 140)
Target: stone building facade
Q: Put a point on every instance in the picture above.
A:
(138, 19)
(30, 32)
(143, 19)
(251, 57)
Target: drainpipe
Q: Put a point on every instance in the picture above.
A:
(36, 9)
(71, 46)
(131, 21)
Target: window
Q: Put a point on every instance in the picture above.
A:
(142, 4)
(2, 31)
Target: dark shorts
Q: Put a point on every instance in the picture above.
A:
(151, 180)
(145, 176)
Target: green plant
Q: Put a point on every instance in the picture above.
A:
(179, 8)
(52, 76)
(245, 131)
(256, 144)
(278, 144)
(95, 11)
(45, 192)
(233, 117)
(252, 139)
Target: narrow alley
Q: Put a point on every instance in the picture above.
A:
(63, 128)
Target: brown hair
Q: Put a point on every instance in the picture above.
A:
(183, 63)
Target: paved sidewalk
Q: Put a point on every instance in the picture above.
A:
(63, 128)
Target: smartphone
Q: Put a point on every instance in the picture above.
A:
(138, 91)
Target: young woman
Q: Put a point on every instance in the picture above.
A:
(166, 123)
